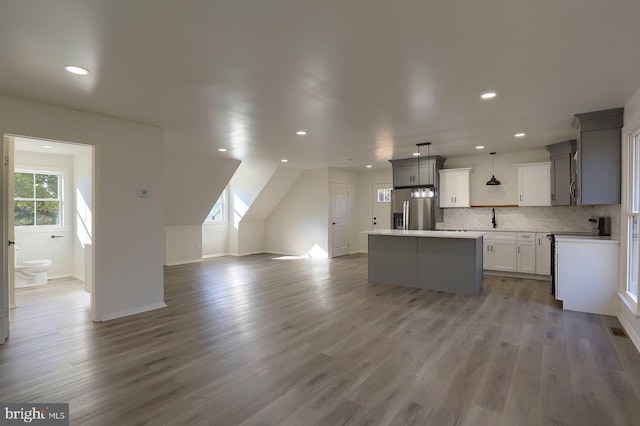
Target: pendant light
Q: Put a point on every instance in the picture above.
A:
(493, 181)
(423, 191)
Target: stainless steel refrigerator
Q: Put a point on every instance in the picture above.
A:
(411, 213)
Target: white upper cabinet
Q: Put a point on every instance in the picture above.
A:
(454, 187)
(534, 187)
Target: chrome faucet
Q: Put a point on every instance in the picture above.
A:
(493, 218)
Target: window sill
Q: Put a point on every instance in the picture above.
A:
(631, 304)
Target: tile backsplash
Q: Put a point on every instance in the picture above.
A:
(543, 219)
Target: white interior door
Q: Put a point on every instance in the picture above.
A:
(339, 219)
(381, 206)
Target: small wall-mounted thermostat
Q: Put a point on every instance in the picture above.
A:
(144, 193)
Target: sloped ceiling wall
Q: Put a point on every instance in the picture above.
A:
(192, 184)
(273, 192)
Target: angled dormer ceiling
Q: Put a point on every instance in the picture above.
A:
(365, 80)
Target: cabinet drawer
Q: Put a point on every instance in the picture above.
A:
(526, 236)
(505, 236)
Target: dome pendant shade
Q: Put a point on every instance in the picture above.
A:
(493, 181)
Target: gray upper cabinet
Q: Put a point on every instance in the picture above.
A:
(599, 156)
(563, 173)
(405, 171)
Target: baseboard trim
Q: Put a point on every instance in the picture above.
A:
(138, 310)
(55, 277)
(631, 332)
(211, 256)
(183, 262)
(517, 275)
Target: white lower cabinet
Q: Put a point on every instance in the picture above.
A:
(543, 254)
(500, 251)
(515, 252)
(526, 252)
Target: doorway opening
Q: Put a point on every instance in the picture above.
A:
(50, 228)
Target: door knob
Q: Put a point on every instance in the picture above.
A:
(11, 243)
(334, 223)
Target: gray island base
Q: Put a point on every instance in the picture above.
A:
(446, 261)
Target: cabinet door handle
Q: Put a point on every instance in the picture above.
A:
(538, 241)
(518, 249)
(520, 197)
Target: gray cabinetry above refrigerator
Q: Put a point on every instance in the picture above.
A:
(563, 172)
(406, 175)
(599, 156)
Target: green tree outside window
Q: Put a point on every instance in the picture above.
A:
(37, 200)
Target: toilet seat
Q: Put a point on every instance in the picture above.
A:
(40, 262)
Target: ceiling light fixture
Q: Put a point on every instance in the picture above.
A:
(488, 95)
(480, 147)
(301, 133)
(520, 135)
(423, 191)
(284, 160)
(368, 166)
(222, 149)
(74, 69)
(493, 181)
(416, 154)
(47, 146)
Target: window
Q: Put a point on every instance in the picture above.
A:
(37, 198)
(633, 217)
(384, 195)
(217, 212)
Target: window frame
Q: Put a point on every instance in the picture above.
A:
(222, 199)
(60, 199)
(631, 212)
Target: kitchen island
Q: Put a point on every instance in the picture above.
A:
(448, 261)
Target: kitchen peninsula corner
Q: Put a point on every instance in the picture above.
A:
(446, 261)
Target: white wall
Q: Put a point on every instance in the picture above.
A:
(83, 217)
(299, 223)
(506, 173)
(128, 230)
(36, 243)
(215, 239)
(192, 183)
(364, 202)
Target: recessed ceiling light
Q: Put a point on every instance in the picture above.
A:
(222, 149)
(74, 69)
(284, 160)
(488, 95)
(520, 135)
(47, 146)
(480, 147)
(415, 154)
(368, 166)
(301, 133)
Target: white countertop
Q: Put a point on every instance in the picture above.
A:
(586, 239)
(470, 235)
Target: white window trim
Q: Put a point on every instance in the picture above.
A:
(628, 133)
(61, 185)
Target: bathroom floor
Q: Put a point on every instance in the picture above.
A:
(64, 297)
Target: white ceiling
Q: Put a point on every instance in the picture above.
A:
(366, 79)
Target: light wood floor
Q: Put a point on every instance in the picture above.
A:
(255, 340)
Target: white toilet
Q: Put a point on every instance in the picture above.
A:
(32, 272)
